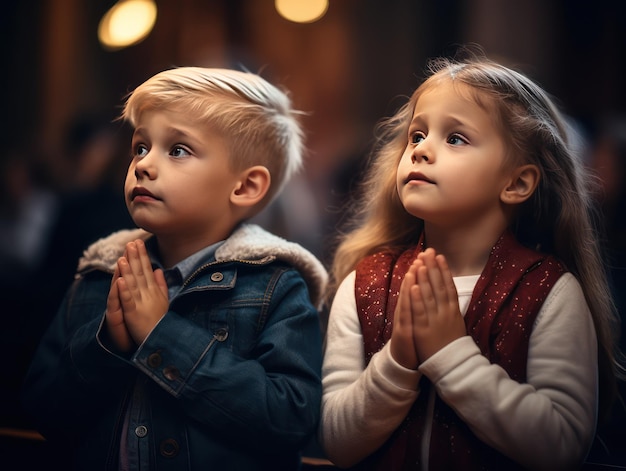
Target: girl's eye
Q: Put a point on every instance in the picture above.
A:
(179, 152)
(416, 137)
(457, 140)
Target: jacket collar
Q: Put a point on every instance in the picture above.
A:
(249, 242)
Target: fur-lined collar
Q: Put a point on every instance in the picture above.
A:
(247, 242)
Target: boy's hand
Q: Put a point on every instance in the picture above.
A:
(142, 292)
(437, 319)
(114, 318)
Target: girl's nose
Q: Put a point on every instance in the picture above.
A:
(423, 151)
(416, 157)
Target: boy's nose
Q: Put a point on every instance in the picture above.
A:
(145, 168)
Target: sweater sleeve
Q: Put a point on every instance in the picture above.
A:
(361, 406)
(548, 422)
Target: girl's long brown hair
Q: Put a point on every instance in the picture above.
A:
(559, 218)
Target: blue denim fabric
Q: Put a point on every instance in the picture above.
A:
(229, 378)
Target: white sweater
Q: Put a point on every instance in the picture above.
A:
(547, 423)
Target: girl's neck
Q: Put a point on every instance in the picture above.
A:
(466, 251)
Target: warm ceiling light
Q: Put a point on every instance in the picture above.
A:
(128, 22)
(302, 11)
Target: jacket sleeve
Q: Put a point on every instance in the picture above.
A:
(361, 407)
(549, 422)
(71, 374)
(271, 397)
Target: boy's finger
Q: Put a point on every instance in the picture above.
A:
(135, 264)
(116, 275)
(125, 296)
(113, 300)
(159, 277)
(144, 259)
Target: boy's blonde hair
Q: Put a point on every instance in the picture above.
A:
(255, 118)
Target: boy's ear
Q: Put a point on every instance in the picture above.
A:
(252, 186)
(522, 185)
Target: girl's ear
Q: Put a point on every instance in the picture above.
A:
(252, 186)
(522, 185)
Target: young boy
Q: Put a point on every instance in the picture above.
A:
(192, 342)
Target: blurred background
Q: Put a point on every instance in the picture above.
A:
(63, 157)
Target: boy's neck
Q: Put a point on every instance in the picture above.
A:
(173, 250)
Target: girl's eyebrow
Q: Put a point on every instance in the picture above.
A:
(449, 120)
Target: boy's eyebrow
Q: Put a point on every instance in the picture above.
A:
(139, 131)
(170, 131)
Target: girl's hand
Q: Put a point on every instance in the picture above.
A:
(142, 292)
(402, 344)
(114, 318)
(437, 319)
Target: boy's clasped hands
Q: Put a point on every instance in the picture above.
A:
(137, 300)
(427, 316)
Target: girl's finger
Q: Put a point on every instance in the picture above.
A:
(402, 347)
(437, 283)
(447, 279)
(426, 294)
(402, 318)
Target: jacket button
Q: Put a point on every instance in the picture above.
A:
(154, 360)
(171, 373)
(141, 431)
(217, 276)
(221, 335)
(169, 448)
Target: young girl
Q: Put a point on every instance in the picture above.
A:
(472, 326)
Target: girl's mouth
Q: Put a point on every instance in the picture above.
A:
(417, 177)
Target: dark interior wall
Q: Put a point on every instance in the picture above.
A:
(346, 71)
(54, 66)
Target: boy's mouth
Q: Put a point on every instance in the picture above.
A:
(139, 191)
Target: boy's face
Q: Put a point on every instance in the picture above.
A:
(179, 181)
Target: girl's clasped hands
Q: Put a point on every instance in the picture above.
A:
(427, 316)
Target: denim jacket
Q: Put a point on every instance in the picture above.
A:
(228, 379)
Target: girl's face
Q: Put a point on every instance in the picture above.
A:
(179, 181)
(452, 170)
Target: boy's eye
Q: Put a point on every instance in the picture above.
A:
(179, 152)
(140, 150)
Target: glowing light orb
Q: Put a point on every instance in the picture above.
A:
(302, 11)
(128, 22)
